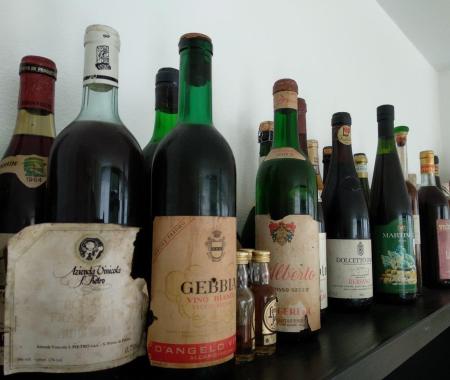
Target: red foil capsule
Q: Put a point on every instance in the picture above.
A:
(37, 83)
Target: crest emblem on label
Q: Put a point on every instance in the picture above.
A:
(282, 233)
(216, 245)
(360, 248)
(102, 58)
(270, 316)
(91, 249)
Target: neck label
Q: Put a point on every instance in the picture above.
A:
(283, 153)
(344, 135)
(101, 62)
(285, 99)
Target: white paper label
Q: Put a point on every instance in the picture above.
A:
(416, 222)
(323, 270)
(71, 304)
(349, 268)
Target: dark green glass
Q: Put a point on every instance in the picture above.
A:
(286, 186)
(395, 278)
(265, 139)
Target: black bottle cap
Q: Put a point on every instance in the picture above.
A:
(341, 118)
(167, 75)
(385, 112)
(198, 40)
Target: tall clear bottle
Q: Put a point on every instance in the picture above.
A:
(434, 225)
(401, 138)
(391, 219)
(363, 175)
(23, 168)
(265, 138)
(286, 226)
(313, 155)
(194, 231)
(349, 252)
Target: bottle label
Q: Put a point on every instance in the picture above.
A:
(285, 99)
(31, 170)
(350, 268)
(269, 322)
(344, 135)
(443, 239)
(361, 169)
(193, 291)
(323, 270)
(294, 268)
(282, 153)
(416, 221)
(71, 303)
(395, 263)
(3, 243)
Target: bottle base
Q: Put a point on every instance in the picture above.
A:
(295, 337)
(244, 358)
(265, 350)
(402, 299)
(350, 305)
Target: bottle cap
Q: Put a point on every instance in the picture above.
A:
(427, 161)
(195, 40)
(360, 158)
(167, 75)
(385, 113)
(327, 151)
(312, 143)
(265, 132)
(101, 55)
(301, 106)
(266, 126)
(242, 257)
(341, 118)
(285, 85)
(401, 129)
(285, 93)
(261, 256)
(37, 83)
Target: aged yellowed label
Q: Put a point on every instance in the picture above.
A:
(31, 170)
(269, 322)
(285, 99)
(3, 243)
(344, 135)
(71, 304)
(285, 152)
(294, 268)
(193, 291)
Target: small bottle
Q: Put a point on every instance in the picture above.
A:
(361, 170)
(412, 177)
(265, 138)
(434, 225)
(249, 264)
(265, 305)
(313, 155)
(326, 159)
(245, 312)
(301, 125)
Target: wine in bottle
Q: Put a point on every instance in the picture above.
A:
(434, 226)
(313, 155)
(265, 138)
(391, 219)
(301, 125)
(326, 159)
(23, 168)
(349, 253)
(286, 226)
(361, 169)
(401, 136)
(194, 231)
(166, 114)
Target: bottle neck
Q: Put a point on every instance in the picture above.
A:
(260, 273)
(166, 110)
(403, 156)
(264, 149)
(302, 135)
(285, 129)
(35, 122)
(342, 156)
(100, 103)
(195, 94)
(361, 170)
(242, 276)
(313, 155)
(386, 141)
(428, 179)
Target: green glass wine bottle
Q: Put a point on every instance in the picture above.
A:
(265, 137)
(391, 219)
(286, 214)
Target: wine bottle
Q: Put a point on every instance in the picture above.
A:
(23, 168)
(401, 136)
(438, 178)
(434, 226)
(349, 253)
(194, 231)
(245, 312)
(301, 124)
(265, 138)
(361, 169)
(313, 155)
(326, 159)
(286, 226)
(412, 177)
(166, 114)
(395, 277)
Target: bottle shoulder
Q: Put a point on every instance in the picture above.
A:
(432, 195)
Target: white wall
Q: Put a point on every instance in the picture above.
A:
(444, 97)
(346, 56)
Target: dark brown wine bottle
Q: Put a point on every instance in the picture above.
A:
(326, 159)
(434, 225)
(391, 219)
(349, 251)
